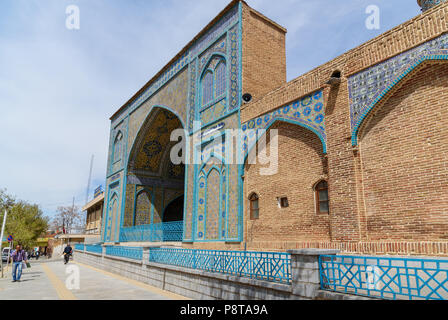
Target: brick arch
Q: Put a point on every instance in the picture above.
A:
(255, 141)
(379, 99)
(301, 163)
(403, 152)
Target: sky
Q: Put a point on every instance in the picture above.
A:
(59, 87)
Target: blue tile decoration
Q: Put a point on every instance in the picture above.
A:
(230, 18)
(217, 31)
(368, 87)
(182, 80)
(192, 93)
(234, 69)
(231, 53)
(220, 46)
(171, 72)
(308, 112)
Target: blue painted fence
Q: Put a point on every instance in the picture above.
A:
(79, 246)
(268, 266)
(135, 253)
(385, 278)
(158, 232)
(94, 248)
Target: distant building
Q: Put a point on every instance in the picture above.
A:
(94, 214)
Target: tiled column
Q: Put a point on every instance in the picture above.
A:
(305, 271)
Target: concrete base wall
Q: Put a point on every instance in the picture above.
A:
(194, 284)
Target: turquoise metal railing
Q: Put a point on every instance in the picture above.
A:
(135, 253)
(385, 278)
(79, 247)
(268, 266)
(94, 248)
(158, 232)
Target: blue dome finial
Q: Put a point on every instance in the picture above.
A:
(428, 4)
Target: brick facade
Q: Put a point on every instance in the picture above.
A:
(404, 162)
(388, 194)
(264, 54)
(301, 165)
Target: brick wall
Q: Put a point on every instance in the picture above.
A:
(404, 153)
(410, 34)
(301, 165)
(264, 54)
(388, 197)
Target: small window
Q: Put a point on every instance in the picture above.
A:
(283, 202)
(254, 207)
(220, 79)
(207, 88)
(214, 82)
(322, 199)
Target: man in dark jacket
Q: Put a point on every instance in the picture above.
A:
(67, 253)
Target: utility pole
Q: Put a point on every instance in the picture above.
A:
(88, 189)
(1, 239)
(90, 178)
(73, 213)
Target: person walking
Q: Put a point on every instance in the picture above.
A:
(18, 258)
(67, 253)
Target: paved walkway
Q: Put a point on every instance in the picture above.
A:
(48, 281)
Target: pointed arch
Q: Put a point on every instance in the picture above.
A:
(112, 209)
(155, 146)
(142, 208)
(212, 204)
(117, 147)
(249, 147)
(206, 162)
(146, 124)
(378, 100)
(213, 80)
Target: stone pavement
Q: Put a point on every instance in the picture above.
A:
(47, 281)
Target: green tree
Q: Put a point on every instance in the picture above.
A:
(26, 222)
(6, 201)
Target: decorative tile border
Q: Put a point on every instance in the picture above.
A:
(308, 112)
(367, 85)
(160, 82)
(439, 55)
(227, 21)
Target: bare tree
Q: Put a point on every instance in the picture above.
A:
(70, 219)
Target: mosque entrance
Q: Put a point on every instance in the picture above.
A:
(155, 182)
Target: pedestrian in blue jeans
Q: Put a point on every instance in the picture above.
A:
(18, 258)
